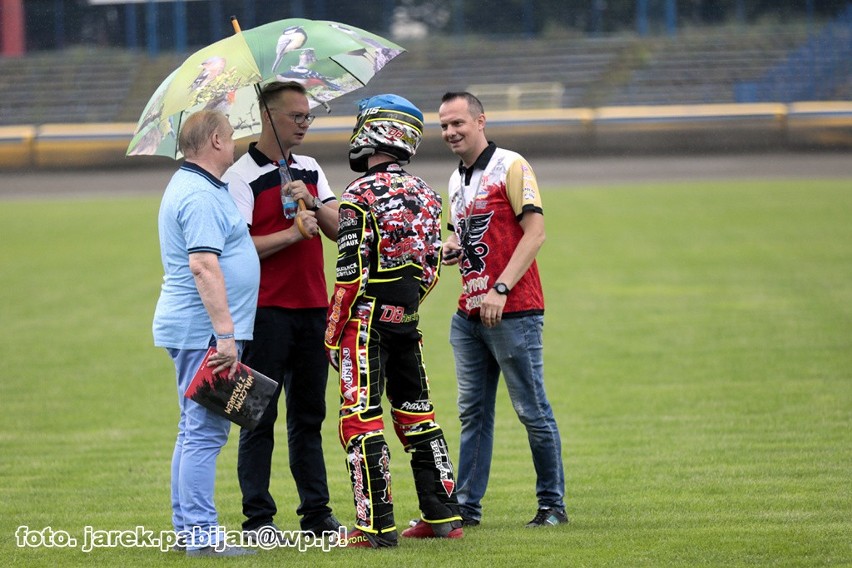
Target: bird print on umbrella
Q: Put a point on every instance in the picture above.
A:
(153, 137)
(379, 55)
(154, 113)
(222, 102)
(292, 38)
(301, 73)
(211, 68)
(224, 75)
(153, 127)
(216, 85)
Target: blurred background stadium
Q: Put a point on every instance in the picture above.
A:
(569, 75)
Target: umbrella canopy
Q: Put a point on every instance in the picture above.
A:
(328, 58)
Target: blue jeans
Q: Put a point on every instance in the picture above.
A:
(201, 435)
(515, 348)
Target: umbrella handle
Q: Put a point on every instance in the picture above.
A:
(299, 224)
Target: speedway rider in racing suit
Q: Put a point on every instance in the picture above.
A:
(389, 243)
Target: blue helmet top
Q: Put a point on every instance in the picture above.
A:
(387, 124)
(390, 102)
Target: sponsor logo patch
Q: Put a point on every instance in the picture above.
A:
(420, 406)
(442, 464)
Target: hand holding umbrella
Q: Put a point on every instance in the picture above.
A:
(293, 196)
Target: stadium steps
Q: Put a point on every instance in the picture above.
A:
(702, 66)
(70, 86)
(425, 73)
(150, 73)
(698, 66)
(820, 68)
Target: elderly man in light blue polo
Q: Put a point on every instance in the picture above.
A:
(208, 297)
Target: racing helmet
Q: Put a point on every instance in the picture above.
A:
(387, 124)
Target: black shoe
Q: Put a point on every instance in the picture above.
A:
(469, 522)
(220, 551)
(327, 525)
(329, 528)
(548, 517)
(266, 535)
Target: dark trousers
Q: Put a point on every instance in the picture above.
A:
(288, 347)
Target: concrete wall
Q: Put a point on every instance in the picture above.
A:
(681, 129)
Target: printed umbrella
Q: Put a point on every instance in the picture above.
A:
(330, 59)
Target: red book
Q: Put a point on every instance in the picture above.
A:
(241, 400)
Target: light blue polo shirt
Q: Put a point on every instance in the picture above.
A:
(197, 214)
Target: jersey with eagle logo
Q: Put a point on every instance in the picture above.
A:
(486, 205)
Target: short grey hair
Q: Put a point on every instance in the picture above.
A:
(197, 130)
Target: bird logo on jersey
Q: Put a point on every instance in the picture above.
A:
(472, 228)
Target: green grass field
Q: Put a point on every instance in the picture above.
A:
(698, 347)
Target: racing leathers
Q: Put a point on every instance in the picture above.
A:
(389, 245)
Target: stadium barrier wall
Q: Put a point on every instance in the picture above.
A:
(716, 128)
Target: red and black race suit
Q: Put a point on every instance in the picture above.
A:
(389, 249)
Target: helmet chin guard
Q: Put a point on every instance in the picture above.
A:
(386, 124)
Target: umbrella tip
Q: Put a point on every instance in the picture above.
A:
(236, 24)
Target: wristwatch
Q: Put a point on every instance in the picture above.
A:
(501, 288)
(317, 204)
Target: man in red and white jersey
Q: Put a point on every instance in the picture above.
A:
(291, 308)
(497, 225)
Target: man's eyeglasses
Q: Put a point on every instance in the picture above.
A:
(300, 118)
